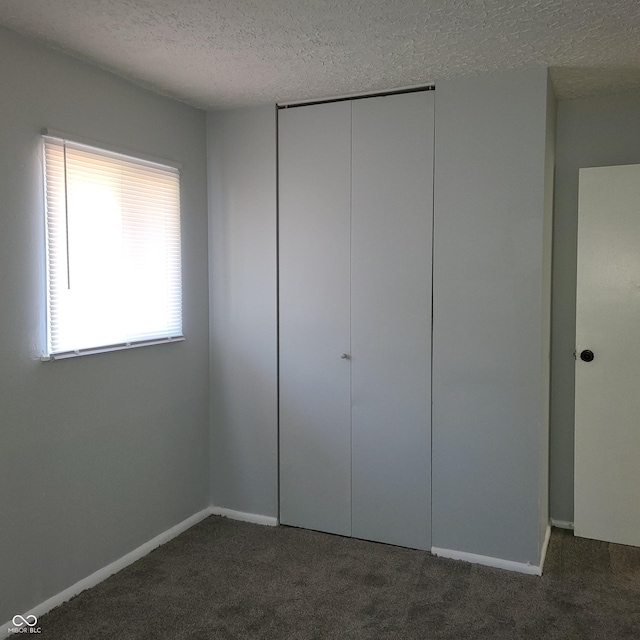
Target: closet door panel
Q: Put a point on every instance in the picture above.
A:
(392, 210)
(314, 310)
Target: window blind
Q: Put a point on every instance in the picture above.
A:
(113, 250)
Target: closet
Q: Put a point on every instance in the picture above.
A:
(355, 260)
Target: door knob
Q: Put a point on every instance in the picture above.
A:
(586, 355)
(345, 356)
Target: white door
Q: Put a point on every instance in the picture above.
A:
(607, 440)
(355, 225)
(314, 316)
(391, 223)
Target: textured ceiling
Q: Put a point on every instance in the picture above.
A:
(224, 53)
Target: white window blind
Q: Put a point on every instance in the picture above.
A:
(113, 250)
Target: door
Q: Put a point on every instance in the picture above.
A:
(314, 316)
(607, 439)
(391, 226)
(355, 225)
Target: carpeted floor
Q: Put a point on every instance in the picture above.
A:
(223, 580)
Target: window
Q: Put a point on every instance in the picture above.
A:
(113, 250)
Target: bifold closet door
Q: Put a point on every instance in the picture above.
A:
(314, 316)
(391, 240)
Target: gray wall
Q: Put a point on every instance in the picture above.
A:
(99, 453)
(592, 132)
(243, 240)
(488, 334)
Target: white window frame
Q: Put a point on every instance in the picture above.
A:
(141, 160)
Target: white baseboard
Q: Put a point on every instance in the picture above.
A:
(102, 574)
(269, 521)
(487, 561)
(561, 524)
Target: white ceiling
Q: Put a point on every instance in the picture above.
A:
(225, 53)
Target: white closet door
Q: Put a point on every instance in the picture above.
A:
(392, 211)
(315, 404)
(607, 438)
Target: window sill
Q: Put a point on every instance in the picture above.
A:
(64, 355)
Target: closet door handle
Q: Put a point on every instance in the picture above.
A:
(345, 356)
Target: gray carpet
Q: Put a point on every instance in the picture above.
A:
(225, 580)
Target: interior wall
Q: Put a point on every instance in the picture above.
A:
(592, 132)
(242, 162)
(488, 329)
(491, 293)
(99, 453)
